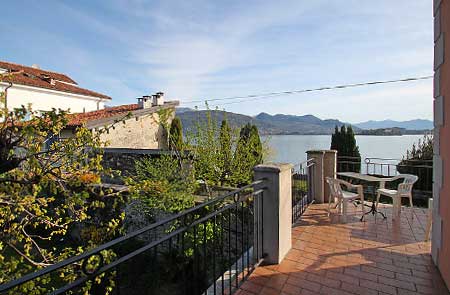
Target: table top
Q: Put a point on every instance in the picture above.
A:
(365, 177)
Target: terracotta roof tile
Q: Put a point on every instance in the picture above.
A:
(29, 76)
(82, 118)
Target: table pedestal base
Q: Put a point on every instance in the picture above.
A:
(373, 210)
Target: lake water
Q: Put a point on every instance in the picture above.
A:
(292, 148)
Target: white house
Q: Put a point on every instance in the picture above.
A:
(45, 90)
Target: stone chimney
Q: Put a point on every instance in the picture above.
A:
(158, 99)
(145, 102)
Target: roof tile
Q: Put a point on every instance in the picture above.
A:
(29, 76)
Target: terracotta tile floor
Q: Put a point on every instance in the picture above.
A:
(328, 256)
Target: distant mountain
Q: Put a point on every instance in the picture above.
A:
(417, 124)
(307, 124)
(180, 110)
(267, 124)
(190, 118)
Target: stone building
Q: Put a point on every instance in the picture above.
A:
(139, 127)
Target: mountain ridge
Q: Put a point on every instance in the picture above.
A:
(278, 124)
(415, 124)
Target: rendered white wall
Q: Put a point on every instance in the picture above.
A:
(44, 100)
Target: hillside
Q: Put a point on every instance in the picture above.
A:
(417, 124)
(267, 124)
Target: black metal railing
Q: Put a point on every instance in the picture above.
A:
(302, 187)
(391, 167)
(208, 249)
(348, 164)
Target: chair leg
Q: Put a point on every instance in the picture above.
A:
(344, 209)
(329, 206)
(396, 207)
(378, 200)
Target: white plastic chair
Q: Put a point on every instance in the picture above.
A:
(404, 190)
(343, 197)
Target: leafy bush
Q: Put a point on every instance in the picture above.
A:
(50, 208)
(224, 156)
(418, 161)
(163, 184)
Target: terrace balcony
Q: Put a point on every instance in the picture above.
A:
(273, 236)
(330, 256)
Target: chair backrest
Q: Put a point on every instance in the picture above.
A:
(408, 182)
(335, 187)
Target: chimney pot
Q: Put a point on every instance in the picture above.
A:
(158, 99)
(144, 102)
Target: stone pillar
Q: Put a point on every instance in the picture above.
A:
(325, 166)
(277, 209)
(329, 169)
(317, 178)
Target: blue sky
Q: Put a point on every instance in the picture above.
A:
(213, 49)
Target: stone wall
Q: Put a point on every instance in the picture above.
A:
(138, 132)
(124, 159)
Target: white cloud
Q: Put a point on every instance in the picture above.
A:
(209, 49)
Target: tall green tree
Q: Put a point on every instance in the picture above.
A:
(335, 139)
(226, 151)
(343, 140)
(248, 153)
(176, 135)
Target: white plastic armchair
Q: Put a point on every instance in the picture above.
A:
(404, 190)
(343, 197)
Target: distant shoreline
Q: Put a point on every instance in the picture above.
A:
(357, 134)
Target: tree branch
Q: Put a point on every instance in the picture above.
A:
(26, 256)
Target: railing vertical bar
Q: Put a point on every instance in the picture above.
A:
(195, 266)
(222, 269)
(248, 234)
(214, 255)
(229, 249)
(262, 227)
(242, 241)
(256, 230)
(236, 254)
(184, 277)
(205, 255)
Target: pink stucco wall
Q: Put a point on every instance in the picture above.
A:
(444, 141)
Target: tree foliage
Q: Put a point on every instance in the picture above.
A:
(248, 154)
(225, 155)
(343, 140)
(176, 135)
(418, 161)
(50, 206)
(423, 150)
(163, 184)
(226, 150)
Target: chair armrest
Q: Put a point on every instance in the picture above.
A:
(349, 185)
(394, 178)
